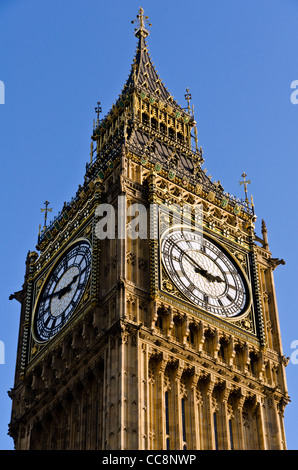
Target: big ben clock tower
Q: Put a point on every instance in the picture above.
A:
(148, 312)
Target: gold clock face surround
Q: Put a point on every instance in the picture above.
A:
(204, 272)
(62, 290)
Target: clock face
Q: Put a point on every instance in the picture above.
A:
(204, 272)
(62, 291)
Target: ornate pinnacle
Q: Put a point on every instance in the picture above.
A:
(265, 235)
(141, 29)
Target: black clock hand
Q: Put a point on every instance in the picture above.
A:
(210, 277)
(66, 289)
(198, 269)
(54, 294)
(60, 293)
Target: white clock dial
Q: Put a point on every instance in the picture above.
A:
(204, 272)
(62, 291)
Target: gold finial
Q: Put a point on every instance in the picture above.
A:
(46, 210)
(141, 29)
(245, 183)
(187, 96)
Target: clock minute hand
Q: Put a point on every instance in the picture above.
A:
(60, 293)
(197, 267)
(66, 289)
(76, 276)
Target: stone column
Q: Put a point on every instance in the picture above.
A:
(240, 441)
(194, 419)
(226, 444)
(177, 406)
(144, 405)
(210, 438)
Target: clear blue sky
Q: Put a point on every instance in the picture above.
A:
(58, 58)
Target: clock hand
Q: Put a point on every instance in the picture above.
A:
(60, 293)
(76, 276)
(193, 262)
(198, 269)
(66, 289)
(210, 277)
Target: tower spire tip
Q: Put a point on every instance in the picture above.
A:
(142, 20)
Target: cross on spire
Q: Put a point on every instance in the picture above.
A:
(142, 20)
(245, 183)
(46, 210)
(98, 111)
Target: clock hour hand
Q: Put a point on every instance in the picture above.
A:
(60, 293)
(198, 269)
(210, 277)
(67, 288)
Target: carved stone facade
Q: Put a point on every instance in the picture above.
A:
(139, 365)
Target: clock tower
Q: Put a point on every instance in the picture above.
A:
(148, 310)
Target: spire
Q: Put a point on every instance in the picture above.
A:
(143, 73)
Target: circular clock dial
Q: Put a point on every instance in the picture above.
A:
(62, 291)
(204, 272)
